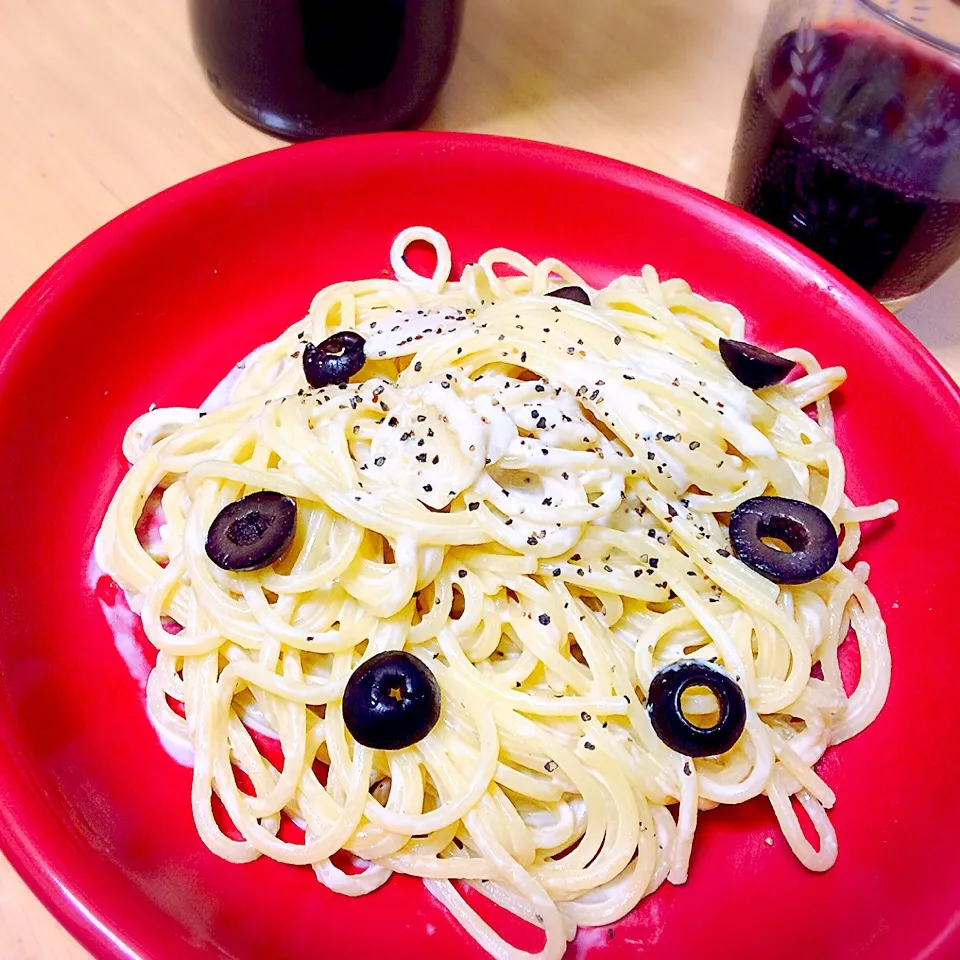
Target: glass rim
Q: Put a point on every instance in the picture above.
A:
(944, 46)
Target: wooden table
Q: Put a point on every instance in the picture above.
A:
(102, 105)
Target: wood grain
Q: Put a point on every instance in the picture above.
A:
(102, 105)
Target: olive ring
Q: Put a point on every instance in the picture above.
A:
(753, 366)
(804, 528)
(671, 724)
(576, 294)
(253, 532)
(335, 360)
(391, 701)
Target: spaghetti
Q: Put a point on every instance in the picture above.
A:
(530, 495)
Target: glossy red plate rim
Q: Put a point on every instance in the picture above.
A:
(26, 838)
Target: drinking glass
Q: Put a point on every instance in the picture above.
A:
(849, 137)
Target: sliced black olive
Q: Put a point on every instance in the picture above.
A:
(752, 365)
(391, 701)
(671, 724)
(253, 532)
(804, 528)
(335, 360)
(577, 294)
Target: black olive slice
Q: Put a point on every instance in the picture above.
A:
(335, 360)
(671, 724)
(804, 528)
(577, 294)
(391, 701)
(253, 532)
(752, 365)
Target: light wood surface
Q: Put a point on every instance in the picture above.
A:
(102, 105)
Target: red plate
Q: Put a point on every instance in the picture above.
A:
(157, 305)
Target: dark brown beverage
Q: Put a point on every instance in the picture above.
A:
(316, 68)
(850, 142)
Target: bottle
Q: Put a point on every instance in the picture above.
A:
(303, 69)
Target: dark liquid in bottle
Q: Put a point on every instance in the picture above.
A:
(312, 68)
(850, 143)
